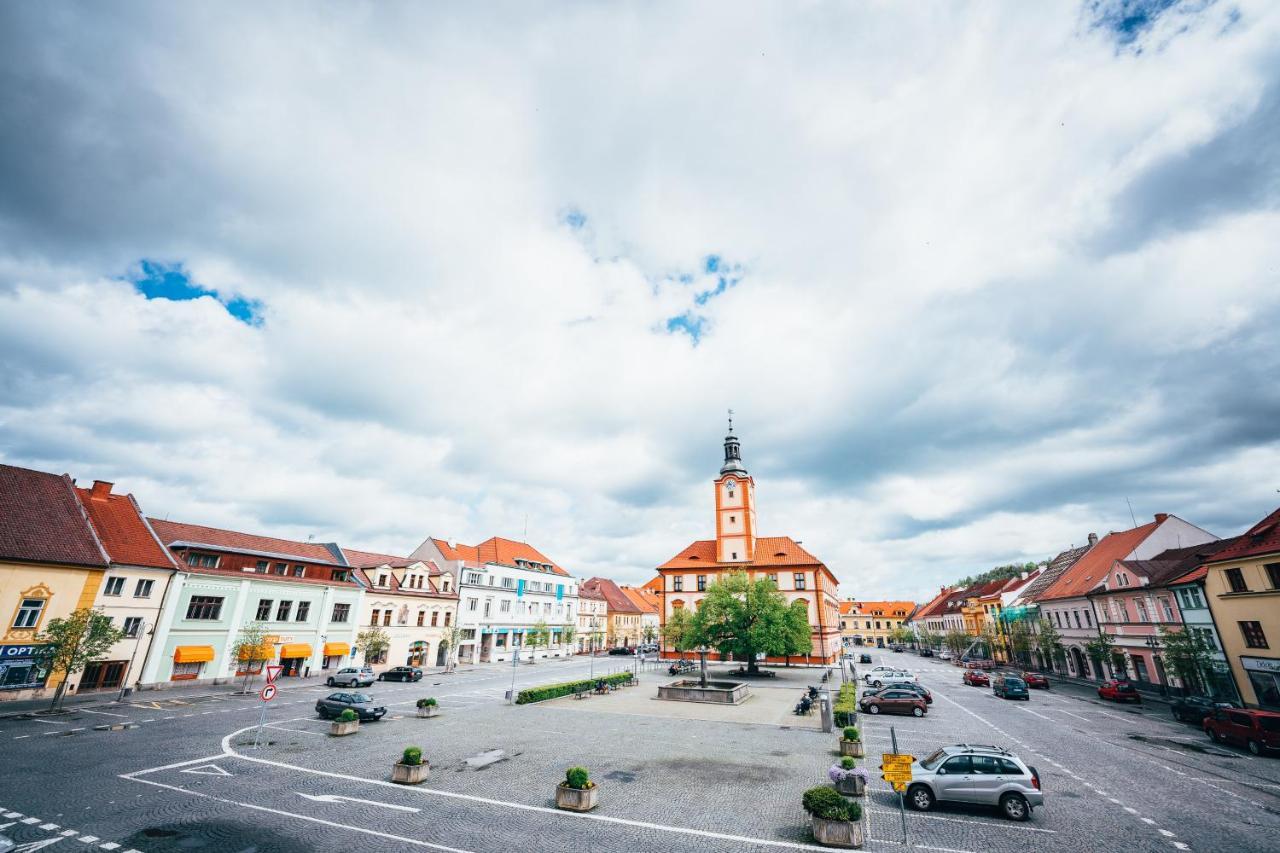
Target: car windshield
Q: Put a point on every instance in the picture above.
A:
(1269, 724)
(1124, 687)
(933, 760)
(361, 698)
(1013, 682)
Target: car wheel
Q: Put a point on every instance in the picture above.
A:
(917, 711)
(920, 798)
(874, 709)
(875, 684)
(1255, 747)
(1177, 715)
(1015, 807)
(382, 678)
(329, 683)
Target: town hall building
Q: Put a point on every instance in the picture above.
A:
(799, 575)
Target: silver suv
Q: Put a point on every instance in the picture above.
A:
(970, 773)
(351, 677)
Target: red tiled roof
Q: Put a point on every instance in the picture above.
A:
(934, 607)
(396, 587)
(122, 529)
(504, 552)
(646, 601)
(42, 522)
(614, 597)
(1206, 553)
(846, 607)
(371, 560)
(173, 531)
(887, 608)
(770, 551)
(1088, 571)
(258, 576)
(591, 592)
(1262, 538)
(654, 584)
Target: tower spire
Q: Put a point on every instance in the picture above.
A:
(732, 452)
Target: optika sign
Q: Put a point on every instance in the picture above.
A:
(20, 651)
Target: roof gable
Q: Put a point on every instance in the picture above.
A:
(41, 521)
(1262, 538)
(769, 551)
(1089, 570)
(122, 529)
(174, 532)
(614, 597)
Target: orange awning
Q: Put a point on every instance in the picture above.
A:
(295, 650)
(336, 649)
(193, 654)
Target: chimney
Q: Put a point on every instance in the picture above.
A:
(1093, 539)
(101, 490)
(1162, 517)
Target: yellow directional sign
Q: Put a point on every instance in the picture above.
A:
(897, 769)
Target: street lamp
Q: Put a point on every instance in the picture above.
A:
(124, 682)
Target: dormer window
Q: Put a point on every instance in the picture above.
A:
(382, 580)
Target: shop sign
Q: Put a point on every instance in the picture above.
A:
(1261, 664)
(23, 667)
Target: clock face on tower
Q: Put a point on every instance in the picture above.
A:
(730, 484)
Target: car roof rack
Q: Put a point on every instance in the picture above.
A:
(983, 747)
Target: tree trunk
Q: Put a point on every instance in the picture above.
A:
(752, 669)
(58, 694)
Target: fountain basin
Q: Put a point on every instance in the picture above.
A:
(716, 692)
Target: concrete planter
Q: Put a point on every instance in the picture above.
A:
(428, 711)
(575, 799)
(853, 786)
(851, 747)
(410, 774)
(341, 729)
(837, 833)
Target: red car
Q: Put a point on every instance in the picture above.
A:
(1035, 679)
(1258, 731)
(1118, 691)
(975, 678)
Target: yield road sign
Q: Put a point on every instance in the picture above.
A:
(268, 693)
(273, 672)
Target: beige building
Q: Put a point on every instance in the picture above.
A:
(593, 619)
(1242, 586)
(413, 601)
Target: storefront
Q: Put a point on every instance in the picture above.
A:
(294, 657)
(1264, 676)
(333, 655)
(189, 661)
(102, 675)
(22, 667)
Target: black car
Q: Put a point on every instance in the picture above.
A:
(622, 650)
(362, 703)
(1193, 709)
(401, 673)
(864, 658)
(919, 689)
(926, 653)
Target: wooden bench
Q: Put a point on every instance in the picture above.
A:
(582, 692)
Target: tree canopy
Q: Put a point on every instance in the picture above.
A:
(744, 618)
(74, 641)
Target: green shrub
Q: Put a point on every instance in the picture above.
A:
(577, 778)
(825, 802)
(429, 702)
(852, 733)
(348, 716)
(845, 707)
(567, 688)
(847, 762)
(412, 756)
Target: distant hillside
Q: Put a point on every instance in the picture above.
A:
(998, 573)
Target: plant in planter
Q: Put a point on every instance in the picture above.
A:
(851, 742)
(428, 707)
(850, 779)
(836, 822)
(577, 792)
(410, 769)
(348, 723)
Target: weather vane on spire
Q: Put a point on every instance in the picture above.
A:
(731, 420)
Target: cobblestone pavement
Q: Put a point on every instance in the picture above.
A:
(191, 779)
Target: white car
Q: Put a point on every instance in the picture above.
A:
(875, 679)
(945, 655)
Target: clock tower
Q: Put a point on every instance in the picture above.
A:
(735, 506)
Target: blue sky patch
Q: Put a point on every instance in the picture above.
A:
(574, 218)
(1128, 19)
(688, 323)
(158, 280)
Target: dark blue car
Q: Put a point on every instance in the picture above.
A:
(1010, 687)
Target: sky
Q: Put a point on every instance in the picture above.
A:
(976, 278)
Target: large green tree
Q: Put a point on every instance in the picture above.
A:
(1102, 648)
(372, 642)
(678, 630)
(799, 636)
(957, 641)
(73, 642)
(1048, 641)
(1187, 656)
(743, 618)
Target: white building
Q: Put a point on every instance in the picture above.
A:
(506, 588)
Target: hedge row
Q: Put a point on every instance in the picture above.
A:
(846, 705)
(553, 691)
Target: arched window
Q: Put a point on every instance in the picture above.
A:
(678, 604)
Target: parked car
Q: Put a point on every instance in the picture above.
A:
(401, 673)
(362, 703)
(898, 648)
(622, 650)
(351, 677)
(918, 689)
(1036, 679)
(926, 653)
(945, 655)
(864, 658)
(1009, 687)
(1257, 731)
(648, 648)
(975, 678)
(894, 702)
(881, 677)
(983, 775)
(1193, 709)
(1119, 690)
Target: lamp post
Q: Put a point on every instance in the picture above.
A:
(124, 681)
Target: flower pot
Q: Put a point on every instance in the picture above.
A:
(837, 833)
(851, 747)
(852, 786)
(428, 711)
(410, 774)
(577, 799)
(340, 729)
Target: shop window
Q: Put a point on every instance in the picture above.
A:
(186, 671)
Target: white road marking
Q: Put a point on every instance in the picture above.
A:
(967, 821)
(110, 845)
(206, 770)
(49, 722)
(20, 737)
(88, 839)
(1034, 714)
(30, 820)
(48, 826)
(1166, 833)
(338, 798)
(103, 713)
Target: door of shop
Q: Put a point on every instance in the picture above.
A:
(103, 675)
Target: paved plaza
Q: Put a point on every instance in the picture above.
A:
(186, 776)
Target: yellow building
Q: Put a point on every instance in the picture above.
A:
(51, 564)
(872, 623)
(1242, 586)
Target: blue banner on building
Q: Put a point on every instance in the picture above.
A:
(519, 589)
(559, 591)
(23, 667)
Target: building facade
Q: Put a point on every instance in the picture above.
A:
(799, 575)
(593, 619)
(623, 615)
(505, 590)
(414, 602)
(649, 603)
(873, 623)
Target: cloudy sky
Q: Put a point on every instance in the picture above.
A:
(971, 275)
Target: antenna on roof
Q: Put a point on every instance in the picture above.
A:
(1131, 515)
(731, 422)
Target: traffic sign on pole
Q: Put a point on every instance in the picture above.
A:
(273, 672)
(268, 693)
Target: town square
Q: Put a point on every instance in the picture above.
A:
(667, 427)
